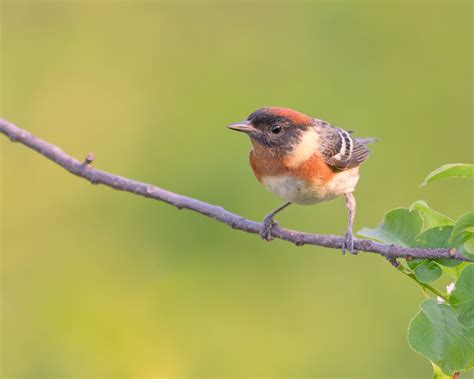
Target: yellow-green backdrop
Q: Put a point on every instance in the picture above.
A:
(97, 283)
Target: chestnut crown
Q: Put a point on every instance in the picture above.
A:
(274, 127)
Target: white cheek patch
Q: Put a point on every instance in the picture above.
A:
(305, 149)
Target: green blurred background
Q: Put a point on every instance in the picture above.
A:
(98, 283)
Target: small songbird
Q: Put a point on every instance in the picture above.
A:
(303, 160)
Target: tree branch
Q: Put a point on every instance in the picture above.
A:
(86, 171)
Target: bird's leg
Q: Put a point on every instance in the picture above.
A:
(269, 223)
(349, 237)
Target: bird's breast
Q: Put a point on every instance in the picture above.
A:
(299, 191)
(292, 189)
(310, 182)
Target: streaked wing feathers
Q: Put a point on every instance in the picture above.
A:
(339, 148)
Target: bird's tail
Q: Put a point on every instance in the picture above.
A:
(366, 141)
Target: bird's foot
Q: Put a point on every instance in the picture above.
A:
(348, 243)
(267, 227)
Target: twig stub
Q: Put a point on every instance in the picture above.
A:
(89, 159)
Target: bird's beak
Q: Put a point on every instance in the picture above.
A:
(243, 126)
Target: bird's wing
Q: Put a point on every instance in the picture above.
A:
(339, 148)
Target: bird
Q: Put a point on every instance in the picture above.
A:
(304, 160)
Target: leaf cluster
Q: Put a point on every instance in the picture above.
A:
(443, 330)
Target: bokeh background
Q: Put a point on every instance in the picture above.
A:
(98, 283)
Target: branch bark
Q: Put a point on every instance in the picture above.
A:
(85, 170)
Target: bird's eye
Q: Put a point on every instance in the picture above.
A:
(276, 129)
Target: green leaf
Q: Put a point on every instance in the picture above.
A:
(455, 271)
(399, 227)
(428, 271)
(431, 218)
(458, 269)
(462, 298)
(464, 222)
(434, 237)
(469, 248)
(439, 374)
(464, 242)
(438, 237)
(454, 170)
(436, 333)
(425, 270)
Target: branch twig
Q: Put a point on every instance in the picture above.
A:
(86, 171)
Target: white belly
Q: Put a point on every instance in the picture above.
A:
(298, 191)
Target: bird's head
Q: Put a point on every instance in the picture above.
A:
(278, 129)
